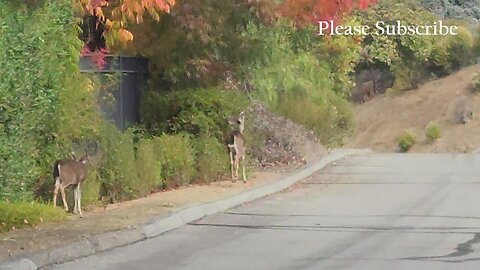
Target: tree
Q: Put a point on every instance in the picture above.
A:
(112, 16)
(311, 11)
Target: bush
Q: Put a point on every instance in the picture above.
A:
(476, 83)
(213, 160)
(331, 123)
(432, 131)
(200, 112)
(413, 58)
(18, 215)
(460, 48)
(148, 167)
(91, 189)
(407, 140)
(118, 169)
(295, 83)
(39, 61)
(177, 159)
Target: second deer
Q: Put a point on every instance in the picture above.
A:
(68, 172)
(236, 145)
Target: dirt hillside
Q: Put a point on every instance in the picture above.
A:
(382, 120)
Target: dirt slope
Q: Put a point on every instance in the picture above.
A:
(380, 121)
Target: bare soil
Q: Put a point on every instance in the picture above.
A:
(382, 120)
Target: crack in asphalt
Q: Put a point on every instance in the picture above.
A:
(461, 250)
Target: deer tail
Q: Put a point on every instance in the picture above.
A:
(56, 169)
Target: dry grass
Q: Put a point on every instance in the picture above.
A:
(380, 121)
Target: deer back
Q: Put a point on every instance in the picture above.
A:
(70, 171)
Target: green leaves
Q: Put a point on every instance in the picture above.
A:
(412, 58)
(196, 111)
(39, 62)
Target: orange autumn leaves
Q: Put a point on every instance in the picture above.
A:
(116, 14)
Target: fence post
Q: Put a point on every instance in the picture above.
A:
(133, 76)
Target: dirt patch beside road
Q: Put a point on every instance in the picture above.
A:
(382, 120)
(122, 215)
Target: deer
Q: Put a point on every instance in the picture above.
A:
(68, 172)
(236, 146)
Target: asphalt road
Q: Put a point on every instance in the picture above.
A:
(376, 211)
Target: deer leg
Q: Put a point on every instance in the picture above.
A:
(231, 164)
(79, 195)
(65, 205)
(237, 163)
(243, 169)
(55, 191)
(75, 199)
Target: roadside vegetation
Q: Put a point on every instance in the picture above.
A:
(476, 83)
(432, 132)
(407, 140)
(24, 214)
(205, 67)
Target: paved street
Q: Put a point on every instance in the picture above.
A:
(375, 211)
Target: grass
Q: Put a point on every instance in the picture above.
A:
(407, 140)
(432, 131)
(17, 215)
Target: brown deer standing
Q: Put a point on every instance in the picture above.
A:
(68, 172)
(236, 147)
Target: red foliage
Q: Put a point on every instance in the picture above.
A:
(311, 11)
(97, 57)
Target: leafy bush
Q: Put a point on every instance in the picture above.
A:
(91, 189)
(22, 214)
(177, 159)
(332, 122)
(194, 51)
(212, 159)
(118, 169)
(295, 83)
(201, 112)
(148, 167)
(476, 83)
(432, 131)
(39, 62)
(413, 58)
(407, 140)
(460, 48)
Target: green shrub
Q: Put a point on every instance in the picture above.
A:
(148, 167)
(476, 83)
(413, 58)
(331, 123)
(432, 131)
(91, 189)
(39, 60)
(212, 159)
(22, 214)
(200, 112)
(118, 170)
(460, 48)
(296, 83)
(407, 140)
(177, 159)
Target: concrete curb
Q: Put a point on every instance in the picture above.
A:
(106, 241)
